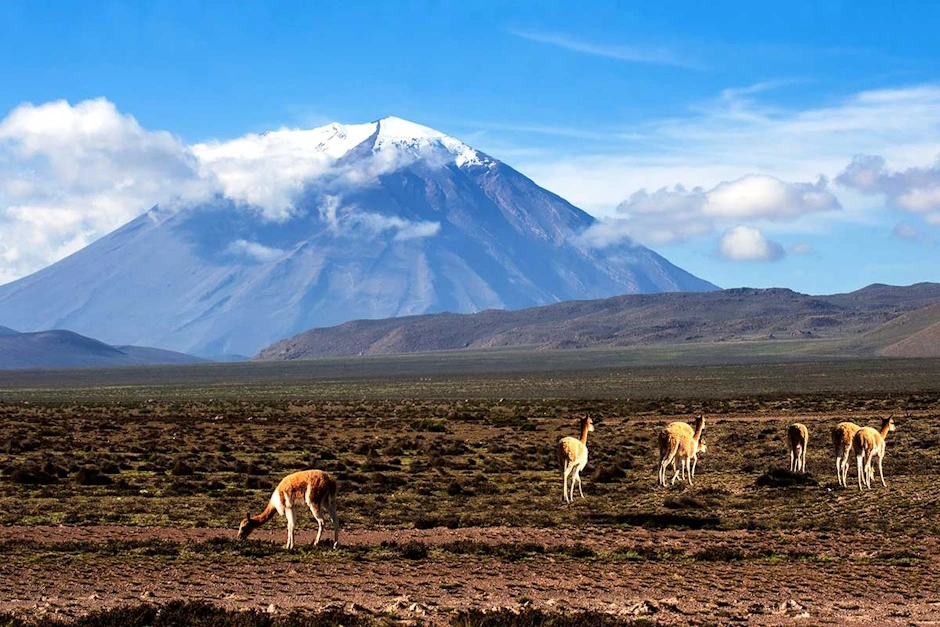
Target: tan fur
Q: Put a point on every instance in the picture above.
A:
(797, 439)
(314, 488)
(572, 458)
(867, 444)
(679, 445)
(842, 436)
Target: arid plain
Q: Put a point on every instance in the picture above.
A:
(125, 490)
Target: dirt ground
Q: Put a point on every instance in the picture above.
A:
(844, 583)
(455, 505)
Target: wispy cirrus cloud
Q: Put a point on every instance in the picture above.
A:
(655, 55)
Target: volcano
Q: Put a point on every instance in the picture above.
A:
(384, 219)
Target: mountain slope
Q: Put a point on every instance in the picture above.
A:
(723, 316)
(65, 349)
(404, 220)
(922, 337)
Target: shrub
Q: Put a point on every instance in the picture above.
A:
(90, 476)
(783, 478)
(31, 475)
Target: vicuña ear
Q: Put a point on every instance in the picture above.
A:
(248, 515)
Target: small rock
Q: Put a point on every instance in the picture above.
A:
(272, 609)
(644, 608)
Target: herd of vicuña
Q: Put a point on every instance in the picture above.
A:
(679, 446)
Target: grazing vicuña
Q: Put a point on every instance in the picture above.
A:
(867, 444)
(315, 488)
(680, 445)
(797, 439)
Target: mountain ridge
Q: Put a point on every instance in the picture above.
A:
(737, 314)
(60, 348)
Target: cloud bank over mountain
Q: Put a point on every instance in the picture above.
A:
(71, 173)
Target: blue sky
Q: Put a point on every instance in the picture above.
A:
(595, 101)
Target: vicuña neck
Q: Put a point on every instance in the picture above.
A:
(584, 431)
(699, 425)
(885, 428)
(266, 515)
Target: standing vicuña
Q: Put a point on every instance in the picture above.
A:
(313, 487)
(868, 443)
(573, 457)
(680, 445)
(797, 439)
(842, 436)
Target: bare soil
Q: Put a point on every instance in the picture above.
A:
(845, 583)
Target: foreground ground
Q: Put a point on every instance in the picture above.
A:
(455, 504)
(671, 577)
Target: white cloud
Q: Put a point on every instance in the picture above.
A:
(737, 134)
(915, 189)
(69, 174)
(404, 229)
(757, 196)
(264, 171)
(72, 173)
(744, 243)
(672, 215)
(253, 250)
(268, 172)
(349, 221)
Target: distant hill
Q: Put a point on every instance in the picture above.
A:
(65, 349)
(860, 322)
(921, 343)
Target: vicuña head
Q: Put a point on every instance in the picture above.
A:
(887, 425)
(247, 526)
(701, 448)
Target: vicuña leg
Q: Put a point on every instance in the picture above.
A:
(289, 514)
(564, 489)
(315, 510)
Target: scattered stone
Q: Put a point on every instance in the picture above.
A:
(644, 608)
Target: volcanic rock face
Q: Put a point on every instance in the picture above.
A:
(386, 219)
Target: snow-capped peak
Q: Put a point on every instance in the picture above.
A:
(335, 140)
(393, 128)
